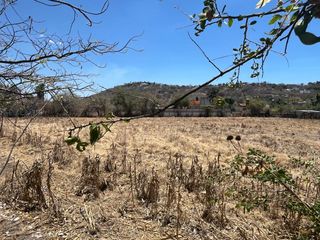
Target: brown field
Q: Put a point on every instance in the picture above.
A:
(154, 155)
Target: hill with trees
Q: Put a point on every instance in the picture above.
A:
(144, 97)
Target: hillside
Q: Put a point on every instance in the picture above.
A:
(163, 93)
(246, 99)
(279, 97)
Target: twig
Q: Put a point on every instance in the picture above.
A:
(204, 54)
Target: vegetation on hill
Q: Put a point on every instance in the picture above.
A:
(143, 97)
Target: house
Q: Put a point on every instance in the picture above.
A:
(195, 102)
(199, 100)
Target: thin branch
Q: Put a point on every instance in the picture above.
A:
(244, 41)
(246, 16)
(86, 14)
(89, 47)
(204, 54)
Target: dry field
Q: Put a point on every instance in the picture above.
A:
(161, 178)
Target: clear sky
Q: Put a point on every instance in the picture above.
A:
(168, 54)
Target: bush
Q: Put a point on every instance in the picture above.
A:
(257, 108)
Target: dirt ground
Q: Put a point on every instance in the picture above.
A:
(145, 145)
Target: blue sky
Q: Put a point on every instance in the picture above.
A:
(168, 54)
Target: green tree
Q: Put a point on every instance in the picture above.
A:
(65, 105)
(40, 91)
(184, 103)
(316, 102)
(124, 104)
(257, 107)
(147, 106)
(230, 102)
(317, 99)
(219, 103)
(213, 93)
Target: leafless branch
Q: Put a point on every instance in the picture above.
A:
(204, 54)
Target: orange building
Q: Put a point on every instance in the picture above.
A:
(195, 102)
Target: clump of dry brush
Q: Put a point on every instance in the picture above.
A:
(147, 187)
(252, 182)
(91, 182)
(24, 187)
(187, 195)
(29, 188)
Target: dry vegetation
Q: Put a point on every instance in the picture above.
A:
(163, 178)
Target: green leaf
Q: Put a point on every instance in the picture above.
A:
(203, 24)
(251, 54)
(294, 16)
(268, 41)
(202, 16)
(274, 31)
(81, 146)
(262, 3)
(219, 23)
(109, 115)
(230, 22)
(71, 140)
(275, 18)
(95, 133)
(291, 8)
(253, 22)
(206, 9)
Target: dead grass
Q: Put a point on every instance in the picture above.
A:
(163, 178)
